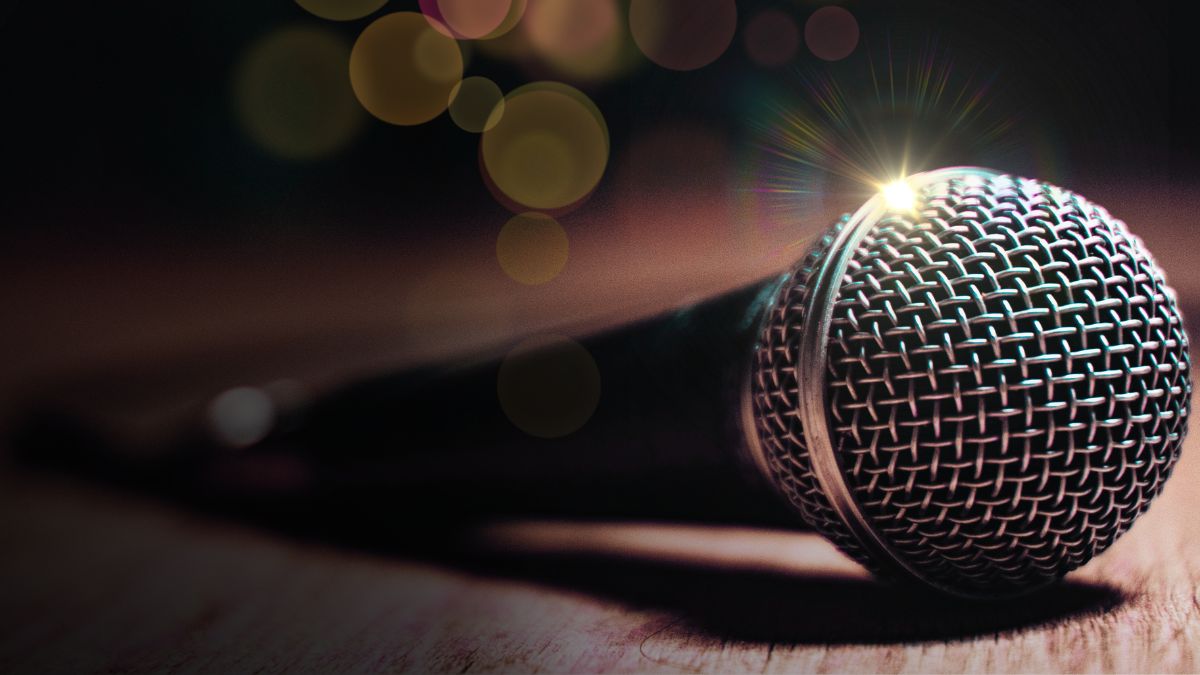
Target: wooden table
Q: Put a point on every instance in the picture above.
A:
(98, 581)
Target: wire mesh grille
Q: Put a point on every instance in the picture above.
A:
(1008, 384)
(775, 391)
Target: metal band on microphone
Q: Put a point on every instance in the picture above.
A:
(812, 376)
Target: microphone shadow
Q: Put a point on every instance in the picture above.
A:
(807, 603)
(727, 582)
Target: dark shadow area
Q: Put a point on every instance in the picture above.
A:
(663, 442)
(359, 475)
(714, 598)
(345, 499)
(799, 608)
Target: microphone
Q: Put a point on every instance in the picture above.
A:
(976, 382)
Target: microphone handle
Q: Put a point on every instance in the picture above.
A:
(434, 444)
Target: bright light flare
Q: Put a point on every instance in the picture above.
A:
(899, 196)
(906, 112)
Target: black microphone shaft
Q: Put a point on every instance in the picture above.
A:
(664, 441)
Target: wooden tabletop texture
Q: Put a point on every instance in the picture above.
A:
(102, 581)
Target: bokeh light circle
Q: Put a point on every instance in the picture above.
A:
(516, 12)
(548, 386)
(241, 416)
(341, 10)
(549, 149)
(403, 70)
(470, 19)
(831, 33)
(570, 26)
(683, 34)
(582, 39)
(292, 95)
(476, 104)
(772, 38)
(532, 248)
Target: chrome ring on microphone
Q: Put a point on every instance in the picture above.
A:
(812, 375)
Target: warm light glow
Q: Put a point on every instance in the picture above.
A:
(899, 196)
(549, 386)
(402, 70)
(582, 39)
(683, 34)
(470, 19)
(549, 149)
(476, 104)
(292, 94)
(903, 112)
(532, 248)
(341, 10)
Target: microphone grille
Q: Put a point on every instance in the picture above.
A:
(1003, 384)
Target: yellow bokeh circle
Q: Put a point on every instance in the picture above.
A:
(341, 10)
(469, 19)
(516, 11)
(532, 248)
(403, 70)
(582, 39)
(292, 96)
(476, 104)
(548, 386)
(550, 148)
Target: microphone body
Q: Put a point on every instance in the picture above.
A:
(666, 439)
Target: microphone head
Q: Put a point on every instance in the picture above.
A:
(976, 381)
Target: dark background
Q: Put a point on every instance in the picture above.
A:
(118, 123)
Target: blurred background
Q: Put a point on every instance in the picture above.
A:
(268, 201)
(215, 211)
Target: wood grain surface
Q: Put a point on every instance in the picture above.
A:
(97, 581)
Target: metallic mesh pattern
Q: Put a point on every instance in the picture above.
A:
(1008, 385)
(774, 391)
